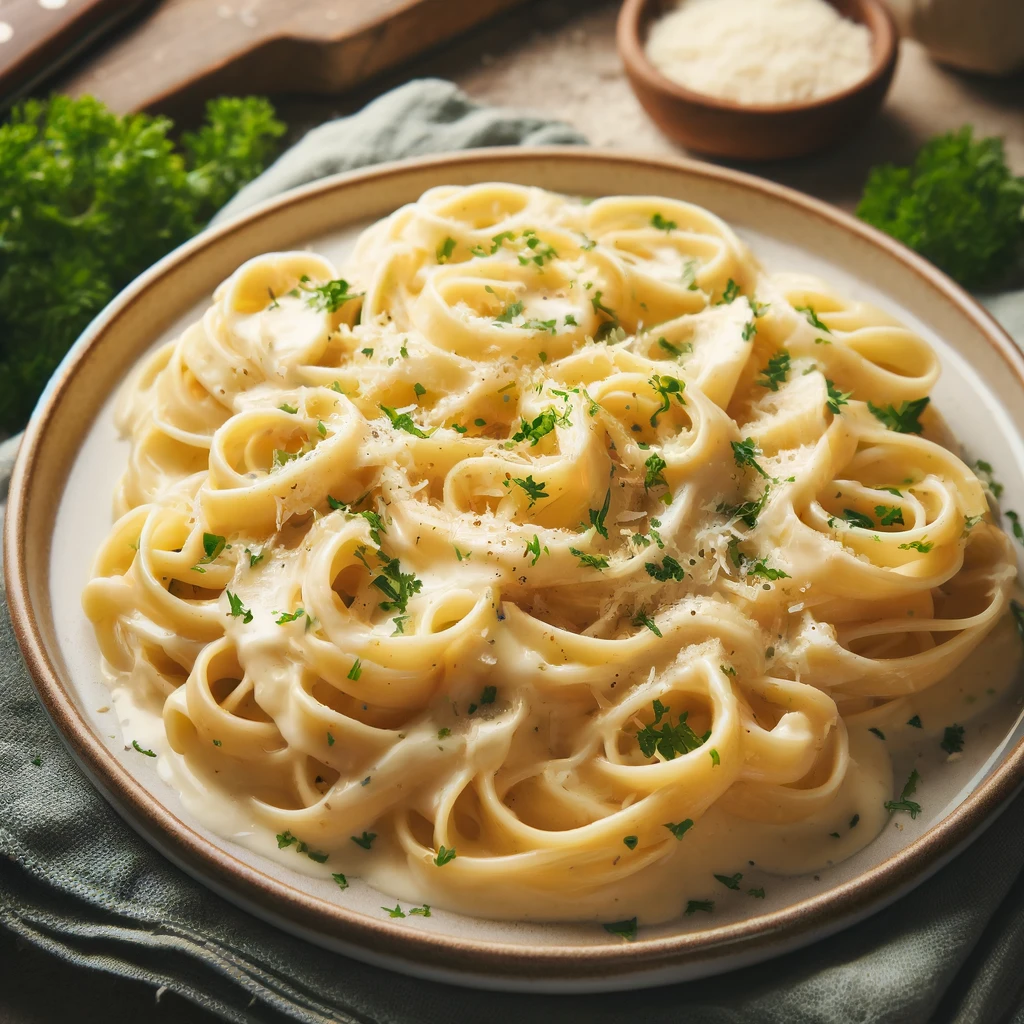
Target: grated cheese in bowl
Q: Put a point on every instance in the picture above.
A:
(760, 52)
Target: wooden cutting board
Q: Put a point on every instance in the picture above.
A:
(186, 51)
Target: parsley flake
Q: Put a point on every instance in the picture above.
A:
(237, 608)
(905, 419)
(776, 371)
(905, 803)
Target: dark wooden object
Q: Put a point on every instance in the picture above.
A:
(37, 37)
(190, 50)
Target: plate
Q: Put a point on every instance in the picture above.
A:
(59, 512)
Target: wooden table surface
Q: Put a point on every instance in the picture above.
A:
(555, 57)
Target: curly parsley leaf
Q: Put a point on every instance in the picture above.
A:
(905, 419)
(958, 205)
(534, 488)
(776, 372)
(745, 454)
(403, 421)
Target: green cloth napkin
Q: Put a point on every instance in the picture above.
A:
(77, 881)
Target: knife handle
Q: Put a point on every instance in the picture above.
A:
(39, 36)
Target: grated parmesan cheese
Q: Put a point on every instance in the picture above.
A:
(760, 52)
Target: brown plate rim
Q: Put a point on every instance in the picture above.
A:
(752, 939)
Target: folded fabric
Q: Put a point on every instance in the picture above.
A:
(77, 881)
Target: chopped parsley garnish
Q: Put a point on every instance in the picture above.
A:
(732, 290)
(654, 477)
(330, 296)
(776, 371)
(854, 821)
(398, 586)
(624, 929)
(419, 389)
(812, 318)
(539, 250)
(679, 829)
(670, 740)
(905, 419)
(659, 222)
(445, 250)
(676, 351)
(985, 468)
(458, 428)
(462, 556)
(321, 429)
(597, 518)
(889, 515)
(631, 841)
(669, 569)
(749, 330)
(877, 732)
(666, 387)
(692, 906)
(237, 608)
(747, 511)
(397, 912)
(368, 352)
(855, 518)
(970, 522)
(509, 313)
(918, 545)
(592, 561)
(444, 856)
(341, 880)
(643, 619)
(142, 750)
(488, 695)
(356, 670)
(953, 739)
(534, 548)
(540, 325)
(715, 759)
(290, 616)
(286, 839)
(444, 733)
(905, 803)
(759, 567)
(745, 453)
(285, 407)
(540, 427)
(758, 893)
(759, 308)
(534, 488)
(730, 881)
(1017, 611)
(403, 421)
(255, 557)
(1018, 530)
(836, 398)
(423, 911)
(600, 307)
(915, 722)
(365, 840)
(213, 545)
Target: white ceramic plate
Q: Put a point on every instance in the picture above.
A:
(60, 511)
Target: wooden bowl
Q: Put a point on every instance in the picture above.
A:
(724, 128)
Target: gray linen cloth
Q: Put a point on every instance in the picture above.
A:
(77, 881)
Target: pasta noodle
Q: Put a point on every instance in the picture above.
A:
(542, 556)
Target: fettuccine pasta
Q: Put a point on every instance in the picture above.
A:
(543, 557)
